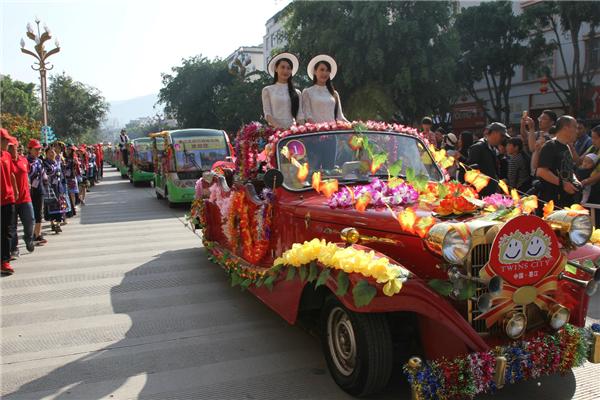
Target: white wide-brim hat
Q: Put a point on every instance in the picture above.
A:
(321, 57)
(289, 56)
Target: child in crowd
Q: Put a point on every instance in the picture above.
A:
(587, 167)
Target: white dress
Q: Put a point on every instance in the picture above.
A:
(277, 104)
(319, 105)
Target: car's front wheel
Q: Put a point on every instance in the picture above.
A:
(358, 348)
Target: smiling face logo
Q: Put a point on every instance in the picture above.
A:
(512, 248)
(524, 251)
(537, 246)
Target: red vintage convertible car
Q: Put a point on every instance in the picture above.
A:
(359, 222)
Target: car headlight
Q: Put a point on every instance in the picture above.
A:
(445, 240)
(581, 230)
(558, 316)
(514, 324)
(578, 226)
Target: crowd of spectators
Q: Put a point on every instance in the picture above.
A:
(41, 182)
(556, 159)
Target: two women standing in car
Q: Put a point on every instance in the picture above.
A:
(284, 105)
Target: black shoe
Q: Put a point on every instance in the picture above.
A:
(30, 246)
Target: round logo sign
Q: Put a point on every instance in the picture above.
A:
(524, 251)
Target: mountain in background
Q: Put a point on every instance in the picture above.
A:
(123, 111)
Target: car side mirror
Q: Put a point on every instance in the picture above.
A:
(273, 178)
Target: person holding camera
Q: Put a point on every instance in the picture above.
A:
(556, 167)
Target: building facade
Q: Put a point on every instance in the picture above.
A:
(252, 57)
(274, 39)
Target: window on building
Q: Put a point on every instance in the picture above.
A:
(593, 53)
(546, 63)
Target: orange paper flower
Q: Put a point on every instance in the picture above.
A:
(316, 181)
(407, 219)
(503, 186)
(529, 204)
(302, 173)
(362, 202)
(423, 226)
(477, 179)
(328, 187)
(548, 208)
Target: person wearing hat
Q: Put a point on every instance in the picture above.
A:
(321, 102)
(484, 154)
(450, 141)
(556, 167)
(37, 180)
(8, 195)
(281, 100)
(23, 206)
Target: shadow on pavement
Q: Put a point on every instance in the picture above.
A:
(205, 338)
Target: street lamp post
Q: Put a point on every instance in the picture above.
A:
(42, 65)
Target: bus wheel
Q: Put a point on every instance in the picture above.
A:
(358, 348)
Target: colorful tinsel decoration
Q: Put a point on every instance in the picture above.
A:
(472, 374)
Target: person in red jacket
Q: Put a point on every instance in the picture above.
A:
(23, 205)
(8, 190)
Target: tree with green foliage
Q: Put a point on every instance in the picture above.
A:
(74, 108)
(493, 42)
(565, 21)
(397, 60)
(141, 127)
(19, 98)
(203, 93)
(189, 92)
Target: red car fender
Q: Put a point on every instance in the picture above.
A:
(415, 297)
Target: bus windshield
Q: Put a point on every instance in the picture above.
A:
(200, 152)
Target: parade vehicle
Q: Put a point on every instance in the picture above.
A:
(180, 157)
(359, 224)
(141, 166)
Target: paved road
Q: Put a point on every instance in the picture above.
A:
(123, 304)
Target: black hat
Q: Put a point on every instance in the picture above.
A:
(497, 126)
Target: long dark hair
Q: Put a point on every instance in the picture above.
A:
(291, 90)
(329, 84)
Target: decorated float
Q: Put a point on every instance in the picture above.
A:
(141, 168)
(181, 156)
(360, 223)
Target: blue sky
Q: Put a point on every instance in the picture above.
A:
(122, 47)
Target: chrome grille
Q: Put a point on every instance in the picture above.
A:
(477, 259)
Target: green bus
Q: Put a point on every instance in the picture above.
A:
(181, 156)
(141, 166)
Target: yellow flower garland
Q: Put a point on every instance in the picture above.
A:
(348, 260)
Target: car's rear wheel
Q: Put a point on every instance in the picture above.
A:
(358, 348)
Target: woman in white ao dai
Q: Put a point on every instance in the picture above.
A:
(282, 107)
(321, 102)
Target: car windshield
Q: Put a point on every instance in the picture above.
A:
(352, 157)
(199, 153)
